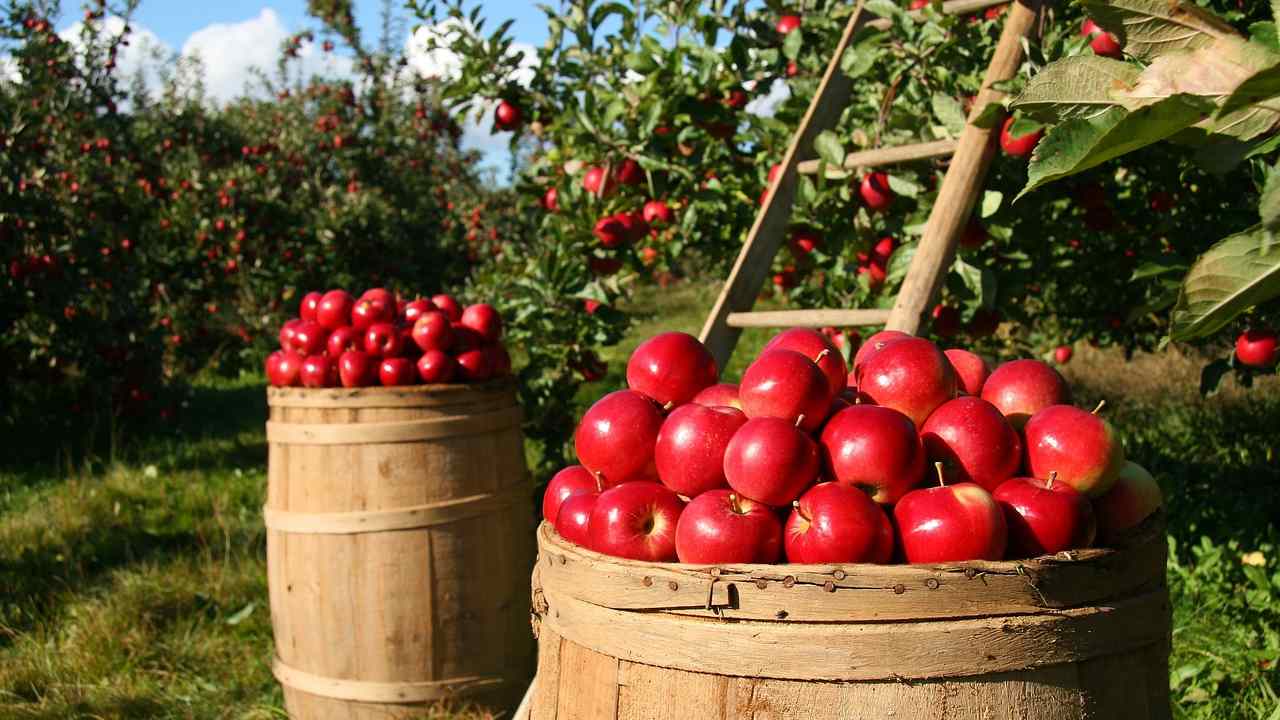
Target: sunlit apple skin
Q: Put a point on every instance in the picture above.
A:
(397, 371)
(1134, 497)
(356, 369)
(971, 370)
(343, 339)
(787, 385)
(872, 345)
(1082, 448)
(1021, 145)
(720, 527)
(573, 518)
(474, 366)
(950, 523)
(436, 367)
(309, 338)
(875, 191)
(689, 453)
(719, 395)
(818, 348)
(671, 368)
(284, 368)
(973, 442)
(334, 309)
(1044, 517)
(617, 436)
(433, 331)
(771, 461)
(573, 480)
(370, 310)
(307, 308)
(383, 340)
(485, 320)
(319, 371)
(636, 520)
(834, 523)
(910, 375)
(448, 306)
(289, 333)
(886, 541)
(875, 449)
(1022, 388)
(1257, 348)
(414, 310)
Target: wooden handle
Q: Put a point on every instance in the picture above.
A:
(962, 184)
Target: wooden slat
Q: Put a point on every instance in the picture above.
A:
(885, 156)
(808, 318)
(765, 237)
(963, 182)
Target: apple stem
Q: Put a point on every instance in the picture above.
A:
(1101, 404)
(599, 481)
(825, 352)
(1053, 475)
(799, 419)
(942, 478)
(733, 503)
(670, 404)
(795, 504)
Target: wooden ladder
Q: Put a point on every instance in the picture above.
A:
(971, 156)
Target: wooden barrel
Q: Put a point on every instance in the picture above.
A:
(399, 540)
(1068, 637)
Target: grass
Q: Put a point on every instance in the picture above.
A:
(135, 587)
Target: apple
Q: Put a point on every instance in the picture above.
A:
(484, 319)
(1044, 517)
(719, 395)
(284, 368)
(885, 540)
(1022, 388)
(310, 302)
(288, 333)
(1102, 42)
(719, 527)
(883, 249)
(573, 480)
(984, 323)
(834, 523)
(355, 369)
(499, 359)
(973, 236)
(1134, 498)
(910, 375)
(617, 436)
(946, 321)
(474, 366)
(787, 385)
(334, 309)
(550, 200)
(628, 172)
(416, 309)
(596, 181)
(689, 452)
(309, 338)
(433, 331)
(950, 523)
(464, 339)
(611, 231)
(657, 213)
(1080, 446)
(369, 311)
(874, 344)
(804, 240)
(507, 116)
(383, 340)
(971, 370)
(447, 305)
(875, 449)
(1020, 146)
(437, 366)
(319, 371)
(973, 442)
(1062, 354)
(573, 519)
(396, 371)
(1256, 347)
(817, 347)
(343, 339)
(636, 520)
(771, 461)
(788, 24)
(671, 368)
(875, 191)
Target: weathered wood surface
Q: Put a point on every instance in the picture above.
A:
(808, 318)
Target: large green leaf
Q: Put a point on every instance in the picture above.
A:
(1237, 273)
(1151, 28)
(1080, 86)
(1269, 203)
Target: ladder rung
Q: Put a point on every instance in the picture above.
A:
(887, 156)
(808, 318)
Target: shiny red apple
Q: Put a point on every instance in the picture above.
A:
(310, 303)
(343, 339)
(691, 445)
(436, 367)
(1044, 517)
(573, 519)
(1022, 388)
(770, 460)
(873, 345)
(834, 523)
(910, 375)
(617, 436)
(474, 366)
(671, 368)
(1021, 145)
(484, 319)
(950, 523)
(334, 309)
(875, 191)
(397, 371)
(787, 385)
(356, 369)
(636, 520)
(309, 338)
(1080, 446)
(874, 449)
(447, 305)
(971, 370)
(719, 527)
(817, 347)
(573, 480)
(1257, 348)
(433, 331)
(415, 309)
(973, 442)
(284, 368)
(371, 310)
(1134, 497)
(319, 371)
(383, 340)
(721, 394)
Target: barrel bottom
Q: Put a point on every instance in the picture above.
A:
(575, 683)
(303, 705)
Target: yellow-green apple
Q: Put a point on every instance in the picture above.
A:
(690, 449)
(971, 370)
(875, 449)
(1080, 446)
(636, 520)
(720, 527)
(1134, 498)
(1045, 517)
(722, 394)
(573, 519)
(834, 523)
(910, 375)
(973, 442)
(787, 385)
(573, 480)
(950, 523)
(671, 368)
(616, 437)
(817, 347)
(770, 460)
(1022, 388)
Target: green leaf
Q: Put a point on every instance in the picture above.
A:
(990, 116)
(991, 200)
(806, 191)
(1153, 268)
(1237, 273)
(899, 262)
(792, 45)
(1151, 28)
(1211, 376)
(1269, 203)
(1079, 86)
(948, 111)
(829, 148)
(613, 8)
(1264, 33)
(1275, 17)
(641, 62)
(242, 614)
(1260, 86)
(903, 186)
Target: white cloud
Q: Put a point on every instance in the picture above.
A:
(766, 105)
(9, 70)
(137, 56)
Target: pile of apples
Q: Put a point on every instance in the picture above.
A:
(379, 339)
(916, 455)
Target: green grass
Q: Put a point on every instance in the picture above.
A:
(135, 587)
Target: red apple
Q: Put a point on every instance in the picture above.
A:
(973, 442)
(873, 345)
(414, 310)
(464, 339)
(636, 520)
(334, 309)
(319, 371)
(436, 367)
(596, 181)
(383, 340)
(950, 523)
(804, 240)
(396, 371)
(628, 172)
(484, 319)
(689, 452)
(1044, 517)
(885, 541)
(722, 395)
(355, 369)
(1102, 42)
(1134, 498)
(474, 366)
(343, 339)
(499, 359)
(381, 296)
(657, 213)
(1256, 347)
(971, 370)
(770, 460)
(284, 368)
(671, 368)
(719, 527)
(371, 310)
(550, 200)
(617, 436)
(309, 338)
(289, 333)
(1062, 354)
(507, 116)
(573, 519)
(788, 24)
(973, 236)
(1080, 446)
(875, 449)
(310, 303)
(910, 375)
(1020, 146)
(433, 331)
(875, 191)
(448, 306)
(834, 523)
(573, 480)
(1022, 388)
(787, 385)
(817, 347)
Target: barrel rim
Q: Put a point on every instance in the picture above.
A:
(379, 396)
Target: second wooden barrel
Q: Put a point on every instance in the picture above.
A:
(398, 548)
